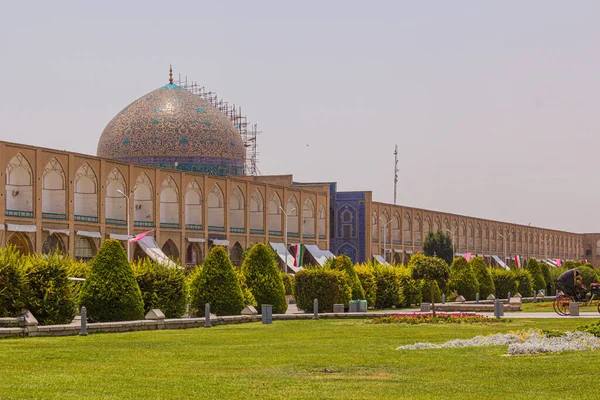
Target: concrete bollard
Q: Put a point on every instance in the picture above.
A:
(477, 298)
(443, 298)
(83, 321)
(207, 316)
(535, 297)
(498, 308)
(556, 294)
(508, 297)
(574, 309)
(316, 309)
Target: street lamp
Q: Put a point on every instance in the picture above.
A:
(384, 225)
(128, 225)
(505, 237)
(545, 241)
(285, 232)
(453, 241)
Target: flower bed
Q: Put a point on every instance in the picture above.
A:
(531, 341)
(439, 318)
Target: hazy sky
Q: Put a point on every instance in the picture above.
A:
(494, 105)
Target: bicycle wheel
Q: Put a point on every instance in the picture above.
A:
(561, 304)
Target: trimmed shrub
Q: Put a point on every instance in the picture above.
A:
(49, 295)
(77, 269)
(110, 292)
(217, 284)
(162, 287)
(482, 273)
(343, 263)
(249, 299)
(13, 282)
(537, 277)
(410, 289)
(263, 279)
(554, 274)
(524, 282)
(547, 278)
(367, 280)
(426, 292)
(328, 286)
(588, 275)
(504, 282)
(388, 287)
(288, 283)
(463, 279)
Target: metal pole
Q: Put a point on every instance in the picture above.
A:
(395, 172)
(128, 231)
(83, 331)
(285, 240)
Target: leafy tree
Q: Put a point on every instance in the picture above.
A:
(13, 282)
(343, 263)
(463, 279)
(263, 279)
(537, 276)
(432, 270)
(439, 244)
(217, 284)
(110, 292)
(482, 273)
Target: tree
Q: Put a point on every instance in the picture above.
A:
(343, 263)
(537, 275)
(463, 279)
(432, 270)
(13, 282)
(263, 279)
(162, 287)
(110, 292)
(439, 244)
(482, 273)
(217, 284)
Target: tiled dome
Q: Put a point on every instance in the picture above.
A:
(174, 128)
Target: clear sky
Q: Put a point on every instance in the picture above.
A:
(494, 105)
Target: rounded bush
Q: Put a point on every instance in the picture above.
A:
(588, 275)
(77, 269)
(388, 287)
(367, 280)
(426, 292)
(328, 286)
(162, 287)
(110, 292)
(504, 282)
(410, 289)
(554, 274)
(537, 277)
(524, 282)
(217, 284)
(482, 273)
(463, 279)
(249, 299)
(263, 279)
(288, 283)
(49, 295)
(13, 282)
(343, 263)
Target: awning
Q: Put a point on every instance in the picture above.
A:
(95, 235)
(398, 250)
(458, 254)
(220, 242)
(197, 240)
(328, 254)
(118, 236)
(150, 247)
(551, 262)
(318, 254)
(285, 255)
(408, 251)
(20, 228)
(53, 231)
(500, 262)
(380, 259)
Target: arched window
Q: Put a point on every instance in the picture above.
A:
(169, 204)
(19, 187)
(292, 215)
(406, 230)
(143, 205)
(193, 255)
(257, 213)
(396, 228)
(471, 236)
(236, 254)
(193, 206)
(52, 244)
(21, 243)
(384, 227)
(84, 248)
(275, 215)
(115, 201)
(427, 225)
(438, 225)
(417, 230)
(237, 219)
(170, 250)
(308, 219)
(374, 226)
(54, 195)
(322, 222)
(86, 194)
(216, 209)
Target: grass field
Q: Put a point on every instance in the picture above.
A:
(287, 360)
(546, 306)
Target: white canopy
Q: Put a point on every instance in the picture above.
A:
(119, 236)
(380, 259)
(150, 247)
(197, 240)
(53, 231)
(20, 228)
(500, 262)
(219, 242)
(285, 255)
(320, 255)
(95, 235)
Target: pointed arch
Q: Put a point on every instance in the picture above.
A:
(193, 255)
(85, 248)
(169, 204)
(54, 195)
(471, 236)
(407, 229)
(417, 230)
(257, 212)
(236, 254)
(462, 236)
(216, 209)
(193, 206)
(115, 203)
(292, 209)
(86, 194)
(438, 224)
(384, 227)
(427, 225)
(237, 218)
(52, 244)
(19, 187)
(486, 238)
(21, 242)
(275, 215)
(322, 222)
(396, 228)
(374, 226)
(308, 219)
(143, 201)
(170, 249)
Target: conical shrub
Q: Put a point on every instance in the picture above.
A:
(344, 263)
(13, 282)
(537, 276)
(463, 279)
(217, 284)
(110, 292)
(482, 273)
(263, 279)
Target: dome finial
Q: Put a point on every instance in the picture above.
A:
(170, 74)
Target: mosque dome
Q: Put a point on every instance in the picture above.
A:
(171, 127)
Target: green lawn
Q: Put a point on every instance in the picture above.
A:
(546, 306)
(287, 359)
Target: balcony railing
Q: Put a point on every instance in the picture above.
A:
(216, 228)
(193, 227)
(322, 237)
(114, 221)
(145, 224)
(308, 236)
(257, 231)
(18, 213)
(86, 218)
(275, 233)
(237, 230)
(293, 234)
(54, 216)
(169, 225)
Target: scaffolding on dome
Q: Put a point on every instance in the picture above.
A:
(248, 130)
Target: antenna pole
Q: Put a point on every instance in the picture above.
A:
(395, 172)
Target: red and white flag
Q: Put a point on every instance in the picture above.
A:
(518, 261)
(585, 261)
(140, 236)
